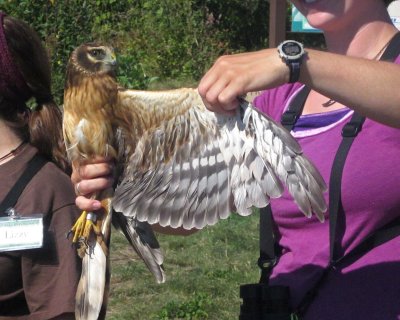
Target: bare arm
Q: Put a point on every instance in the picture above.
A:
(370, 87)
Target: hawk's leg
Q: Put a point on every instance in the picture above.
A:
(83, 226)
(90, 228)
(83, 229)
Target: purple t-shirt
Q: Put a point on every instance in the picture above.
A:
(368, 288)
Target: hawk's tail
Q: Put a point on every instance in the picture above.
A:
(92, 293)
(93, 288)
(143, 241)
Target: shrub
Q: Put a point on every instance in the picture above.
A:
(156, 39)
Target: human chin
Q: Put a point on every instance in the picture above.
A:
(321, 20)
(318, 12)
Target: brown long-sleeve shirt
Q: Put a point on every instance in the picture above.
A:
(40, 284)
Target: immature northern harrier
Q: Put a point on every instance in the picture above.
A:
(179, 164)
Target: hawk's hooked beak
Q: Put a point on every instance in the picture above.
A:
(111, 60)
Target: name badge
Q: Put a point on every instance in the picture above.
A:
(21, 233)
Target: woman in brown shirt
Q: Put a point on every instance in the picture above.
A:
(35, 284)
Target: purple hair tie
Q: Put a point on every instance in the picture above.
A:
(12, 84)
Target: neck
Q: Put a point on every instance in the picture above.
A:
(8, 142)
(364, 39)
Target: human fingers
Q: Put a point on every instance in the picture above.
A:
(203, 88)
(213, 88)
(84, 203)
(95, 170)
(78, 191)
(88, 170)
(232, 76)
(89, 186)
(217, 100)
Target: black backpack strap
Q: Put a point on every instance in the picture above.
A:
(382, 235)
(34, 165)
(349, 133)
(269, 249)
(393, 49)
(295, 108)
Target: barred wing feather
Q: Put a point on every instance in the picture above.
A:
(196, 167)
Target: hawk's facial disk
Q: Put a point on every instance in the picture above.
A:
(97, 59)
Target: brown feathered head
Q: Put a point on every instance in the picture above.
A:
(91, 59)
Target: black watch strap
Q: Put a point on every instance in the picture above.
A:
(294, 67)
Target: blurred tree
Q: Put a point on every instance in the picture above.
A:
(155, 39)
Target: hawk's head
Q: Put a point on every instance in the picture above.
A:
(90, 60)
(94, 59)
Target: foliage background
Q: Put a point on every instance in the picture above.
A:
(156, 40)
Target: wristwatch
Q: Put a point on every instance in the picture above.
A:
(292, 53)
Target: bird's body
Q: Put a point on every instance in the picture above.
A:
(91, 126)
(179, 165)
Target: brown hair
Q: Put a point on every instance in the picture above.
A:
(44, 126)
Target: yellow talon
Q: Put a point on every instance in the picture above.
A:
(79, 226)
(84, 225)
(87, 231)
(89, 226)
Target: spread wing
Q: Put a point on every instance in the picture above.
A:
(191, 167)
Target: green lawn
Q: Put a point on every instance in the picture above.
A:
(204, 272)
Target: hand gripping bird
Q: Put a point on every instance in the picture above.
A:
(178, 164)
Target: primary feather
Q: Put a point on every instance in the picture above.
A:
(179, 165)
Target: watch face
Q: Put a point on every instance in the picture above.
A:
(291, 50)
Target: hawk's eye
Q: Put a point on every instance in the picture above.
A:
(96, 52)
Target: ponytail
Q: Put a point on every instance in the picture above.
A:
(44, 127)
(45, 133)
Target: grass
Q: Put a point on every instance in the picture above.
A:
(204, 272)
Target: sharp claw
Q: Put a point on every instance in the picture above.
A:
(68, 234)
(87, 230)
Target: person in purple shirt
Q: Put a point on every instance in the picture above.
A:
(344, 79)
(347, 77)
